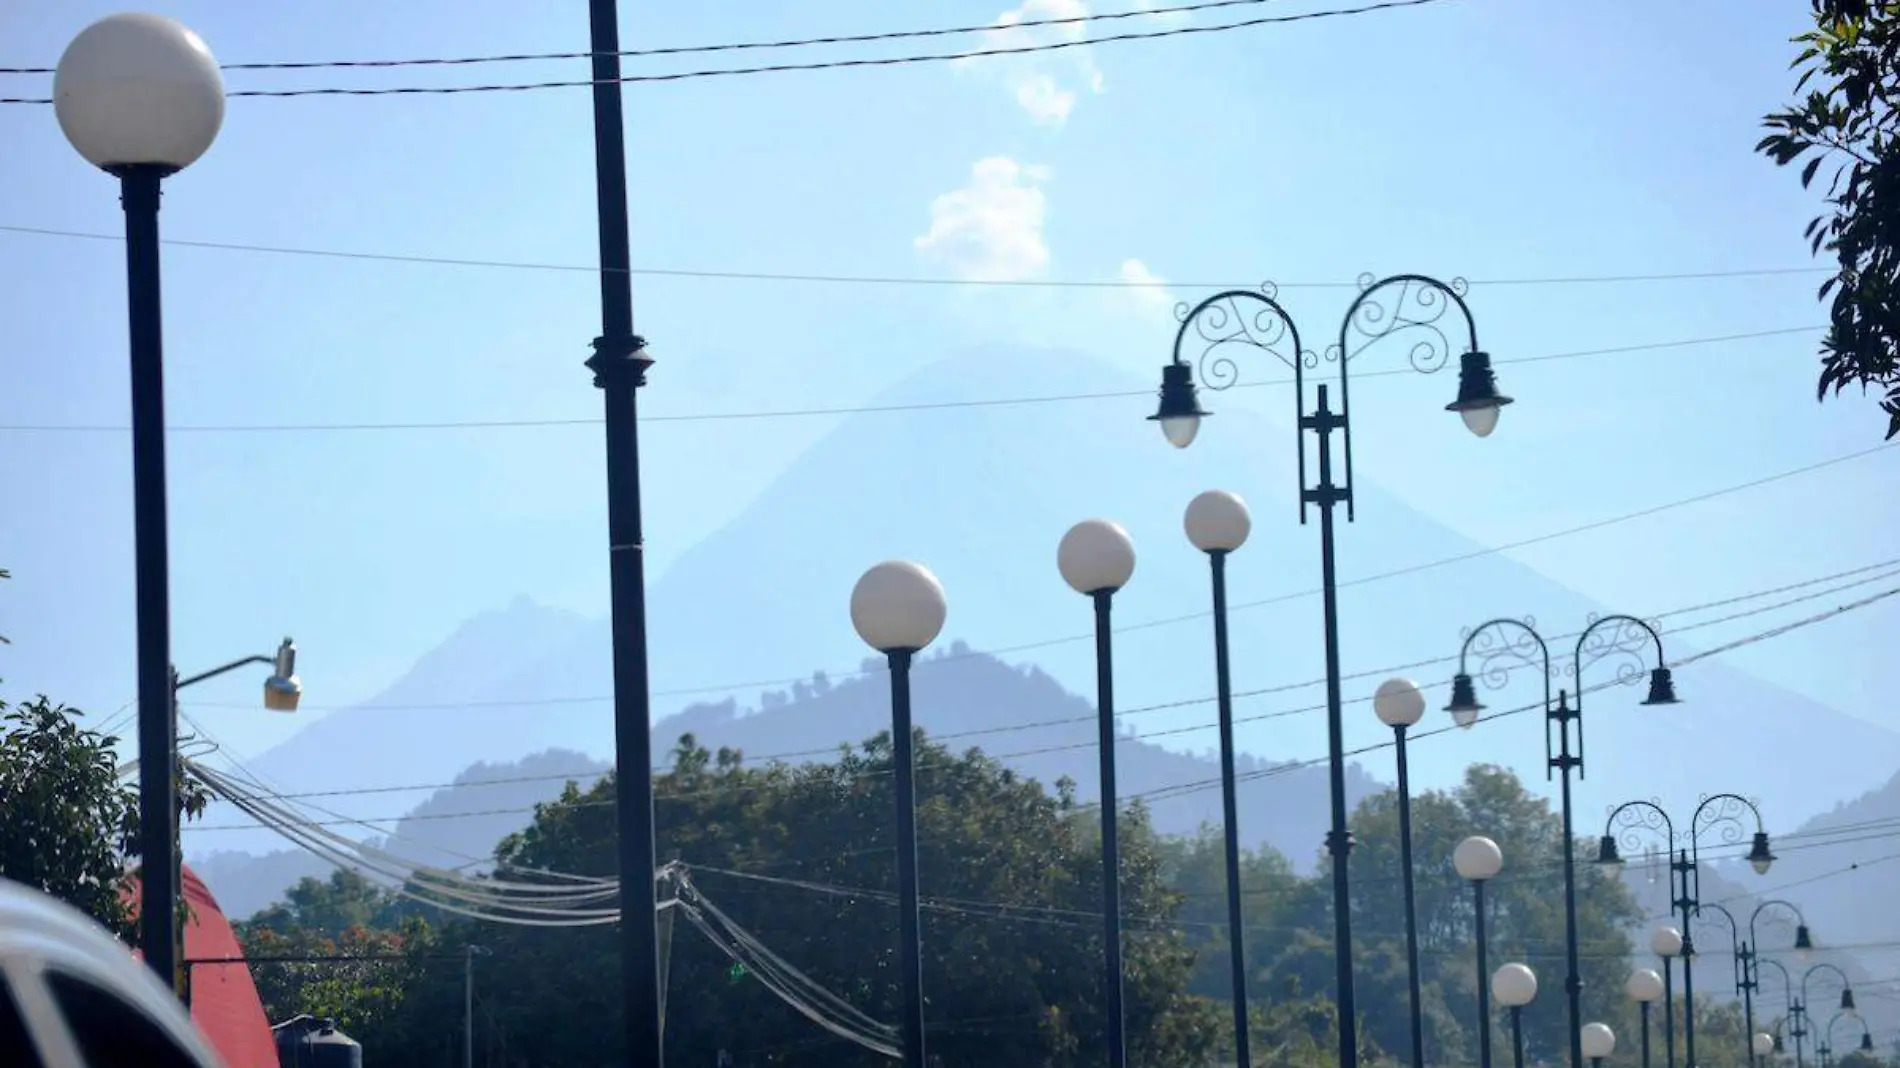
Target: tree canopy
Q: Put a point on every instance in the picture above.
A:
(1845, 113)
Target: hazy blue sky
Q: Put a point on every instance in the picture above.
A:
(1486, 138)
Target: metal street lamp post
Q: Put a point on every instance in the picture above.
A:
(1791, 1005)
(1501, 644)
(1645, 988)
(1400, 704)
(1666, 942)
(1478, 860)
(1217, 523)
(141, 98)
(1745, 939)
(1631, 818)
(898, 608)
(1408, 306)
(1096, 559)
(1515, 986)
(619, 365)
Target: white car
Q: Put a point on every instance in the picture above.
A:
(73, 996)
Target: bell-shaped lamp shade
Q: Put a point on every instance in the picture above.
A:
(1514, 985)
(1477, 858)
(1760, 857)
(1763, 1044)
(139, 90)
(1478, 400)
(1217, 522)
(1778, 1046)
(283, 689)
(1398, 703)
(1608, 859)
(1665, 941)
(1096, 556)
(898, 606)
(1598, 1040)
(1848, 1008)
(1644, 986)
(1662, 688)
(1464, 706)
(1180, 411)
(1866, 1041)
(1803, 943)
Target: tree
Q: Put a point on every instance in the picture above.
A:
(802, 858)
(377, 954)
(68, 823)
(68, 820)
(1845, 112)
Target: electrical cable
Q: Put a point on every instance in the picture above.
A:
(1860, 576)
(1181, 789)
(891, 280)
(836, 64)
(1164, 621)
(803, 413)
(740, 46)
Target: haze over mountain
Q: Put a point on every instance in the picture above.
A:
(762, 603)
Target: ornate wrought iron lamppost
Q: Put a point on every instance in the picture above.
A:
(1407, 306)
(1501, 644)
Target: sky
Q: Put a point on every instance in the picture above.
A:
(1511, 144)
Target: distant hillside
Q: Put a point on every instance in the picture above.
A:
(763, 601)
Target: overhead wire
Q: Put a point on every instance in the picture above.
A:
(733, 46)
(800, 413)
(1195, 786)
(1125, 628)
(836, 64)
(1645, 278)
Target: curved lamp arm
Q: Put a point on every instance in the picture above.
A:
(1628, 634)
(1497, 655)
(1847, 985)
(1738, 948)
(1803, 940)
(1378, 313)
(1248, 317)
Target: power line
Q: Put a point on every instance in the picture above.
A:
(888, 280)
(965, 735)
(682, 50)
(1170, 620)
(1181, 789)
(868, 409)
(837, 64)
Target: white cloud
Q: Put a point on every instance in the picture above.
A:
(991, 229)
(1045, 84)
(1149, 291)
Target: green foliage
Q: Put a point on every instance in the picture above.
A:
(1845, 112)
(1012, 940)
(66, 820)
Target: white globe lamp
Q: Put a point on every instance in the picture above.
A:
(1096, 556)
(135, 90)
(1477, 859)
(898, 606)
(1217, 522)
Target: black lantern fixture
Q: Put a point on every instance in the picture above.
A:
(1760, 857)
(1662, 688)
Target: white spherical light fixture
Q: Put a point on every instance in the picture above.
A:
(138, 90)
(1665, 941)
(1096, 556)
(1644, 986)
(1477, 859)
(1514, 985)
(1217, 522)
(898, 606)
(1398, 703)
(1598, 1040)
(1763, 1044)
